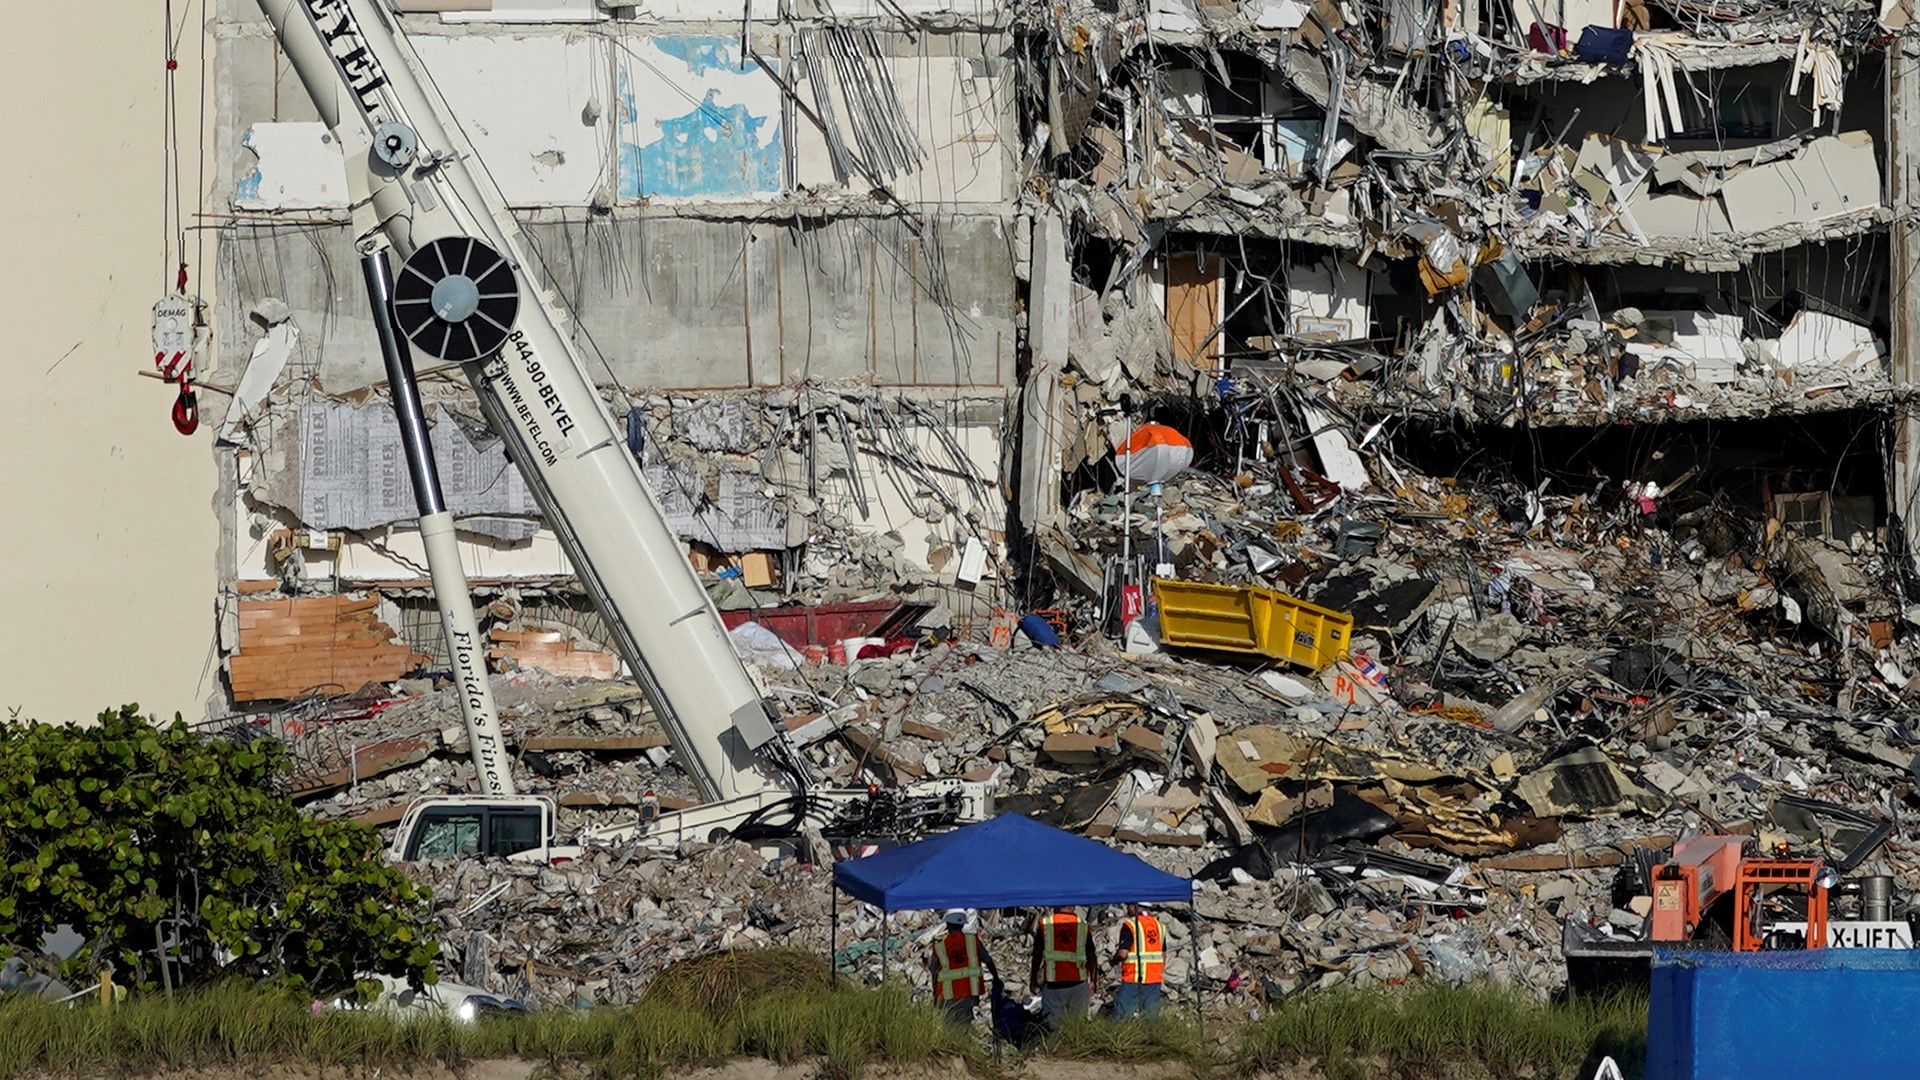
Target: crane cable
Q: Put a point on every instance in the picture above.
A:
(177, 367)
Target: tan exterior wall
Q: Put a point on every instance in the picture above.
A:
(107, 535)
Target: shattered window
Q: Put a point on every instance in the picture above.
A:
(448, 835)
(1803, 512)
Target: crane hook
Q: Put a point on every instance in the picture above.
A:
(186, 410)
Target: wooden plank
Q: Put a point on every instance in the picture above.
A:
(867, 744)
(257, 678)
(924, 731)
(380, 815)
(370, 761)
(606, 744)
(1161, 839)
(266, 609)
(552, 650)
(1193, 308)
(312, 606)
(320, 662)
(295, 646)
(356, 641)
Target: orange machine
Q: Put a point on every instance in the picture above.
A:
(1701, 871)
(1704, 869)
(1760, 877)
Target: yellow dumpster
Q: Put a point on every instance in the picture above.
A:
(1244, 619)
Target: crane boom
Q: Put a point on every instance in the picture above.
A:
(413, 185)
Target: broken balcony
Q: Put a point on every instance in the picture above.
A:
(1228, 148)
(1702, 169)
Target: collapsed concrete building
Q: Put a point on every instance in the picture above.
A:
(822, 289)
(1566, 350)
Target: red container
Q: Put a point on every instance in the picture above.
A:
(828, 623)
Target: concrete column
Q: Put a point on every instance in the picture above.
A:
(1903, 246)
(1049, 315)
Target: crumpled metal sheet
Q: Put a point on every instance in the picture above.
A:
(1849, 835)
(1585, 782)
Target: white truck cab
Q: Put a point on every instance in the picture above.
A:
(517, 827)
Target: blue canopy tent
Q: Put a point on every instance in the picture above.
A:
(1004, 862)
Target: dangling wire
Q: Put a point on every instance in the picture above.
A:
(177, 367)
(200, 144)
(166, 171)
(172, 212)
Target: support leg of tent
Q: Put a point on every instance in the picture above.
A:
(886, 947)
(1193, 976)
(833, 936)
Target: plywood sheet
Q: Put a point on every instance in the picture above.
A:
(552, 651)
(304, 646)
(1193, 306)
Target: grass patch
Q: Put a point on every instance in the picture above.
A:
(787, 1012)
(848, 1029)
(1171, 1036)
(695, 1022)
(1502, 1033)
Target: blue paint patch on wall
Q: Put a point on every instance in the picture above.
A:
(713, 150)
(709, 151)
(248, 189)
(703, 54)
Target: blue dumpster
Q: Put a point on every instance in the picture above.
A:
(1833, 1013)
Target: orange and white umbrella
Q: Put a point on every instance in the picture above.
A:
(1153, 454)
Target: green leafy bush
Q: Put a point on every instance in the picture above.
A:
(130, 832)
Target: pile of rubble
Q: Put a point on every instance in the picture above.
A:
(1542, 693)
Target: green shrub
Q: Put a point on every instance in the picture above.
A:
(123, 827)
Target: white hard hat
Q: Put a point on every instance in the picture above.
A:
(956, 916)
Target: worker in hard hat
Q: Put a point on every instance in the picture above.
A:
(1064, 970)
(959, 964)
(1142, 957)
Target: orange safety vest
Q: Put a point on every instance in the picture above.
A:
(1148, 958)
(1065, 950)
(957, 956)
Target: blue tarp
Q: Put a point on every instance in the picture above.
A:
(1007, 861)
(1818, 1013)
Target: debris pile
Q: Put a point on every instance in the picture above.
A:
(1542, 691)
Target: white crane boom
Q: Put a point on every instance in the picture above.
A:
(413, 182)
(465, 293)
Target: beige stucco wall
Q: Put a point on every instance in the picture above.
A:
(107, 536)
